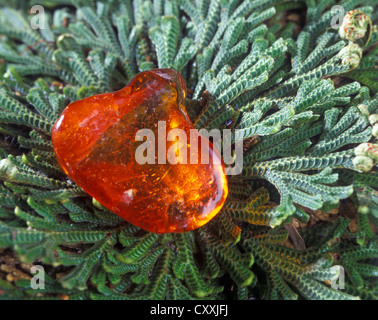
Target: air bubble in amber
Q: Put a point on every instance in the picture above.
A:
(94, 141)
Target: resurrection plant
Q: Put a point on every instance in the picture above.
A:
(300, 88)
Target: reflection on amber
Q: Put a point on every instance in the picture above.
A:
(94, 140)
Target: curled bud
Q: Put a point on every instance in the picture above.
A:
(7, 170)
(356, 26)
(373, 119)
(363, 109)
(366, 156)
(367, 149)
(374, 131)
(351, 55)
(363, 163)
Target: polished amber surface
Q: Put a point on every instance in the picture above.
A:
(94, 140)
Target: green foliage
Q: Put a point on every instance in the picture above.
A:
(285, 94)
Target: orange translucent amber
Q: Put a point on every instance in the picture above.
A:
(94, 141)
